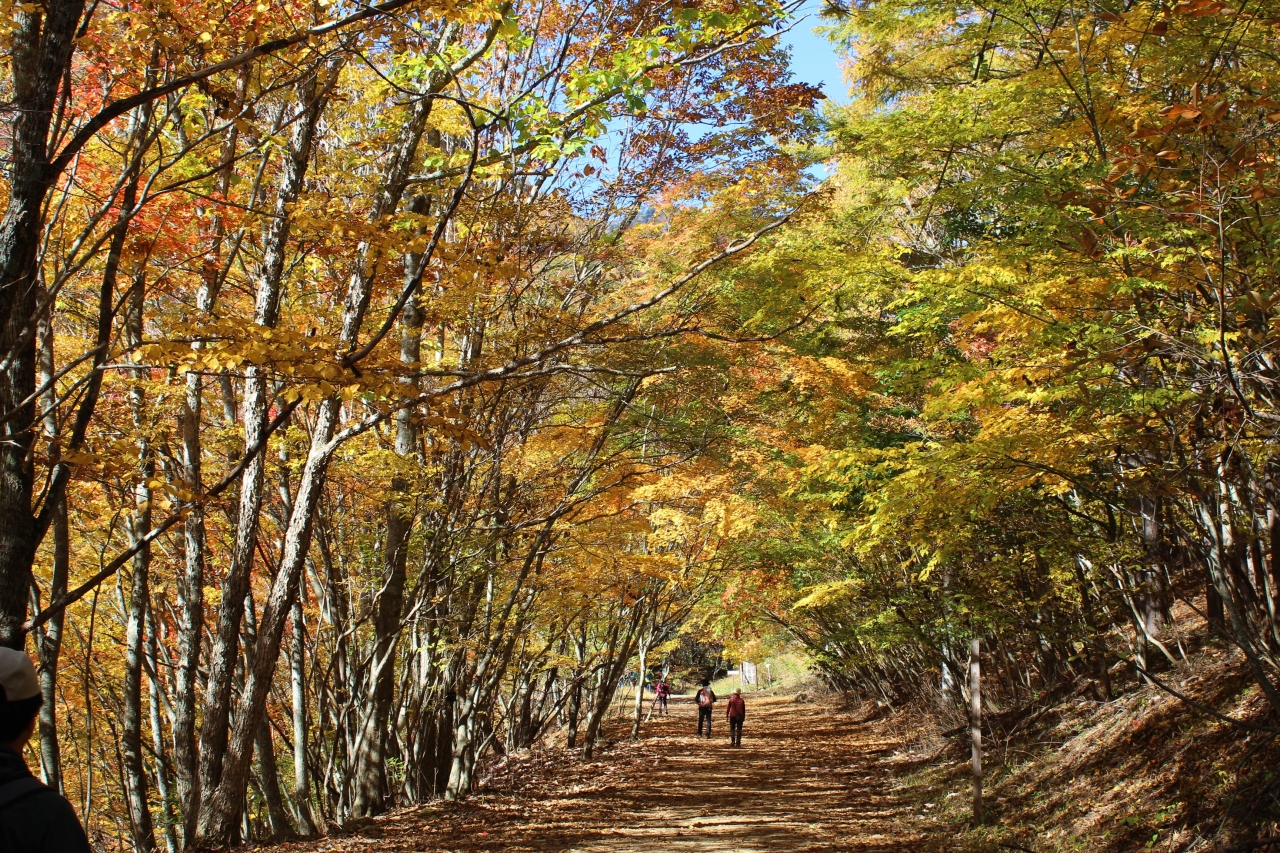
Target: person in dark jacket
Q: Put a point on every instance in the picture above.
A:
(33, 817)
(706, 699)
(737, 713)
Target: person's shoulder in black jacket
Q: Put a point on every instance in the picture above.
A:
(33, 818)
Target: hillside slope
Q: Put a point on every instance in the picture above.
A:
(1144, 771)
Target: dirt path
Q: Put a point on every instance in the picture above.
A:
(805, 779)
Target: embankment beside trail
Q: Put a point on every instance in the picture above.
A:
(1142, 772)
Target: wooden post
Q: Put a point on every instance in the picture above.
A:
(975, 723)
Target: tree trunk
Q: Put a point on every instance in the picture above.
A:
(269, 776)
(49, 649)
(190, 587)
(163, 778)
(134, 769)
(574, 714)
(43, 38)
(1097, 643)
(575, 699)
(1271, 489)
(190, 582)
(603, 694)
(49, 645)
(444, 745)
(639, 705)
(221, 803)
(1214, 609)
(301, 781)
(1149, 595)
(462, 760)
(222, 659)
(975, 724)
(370, 773)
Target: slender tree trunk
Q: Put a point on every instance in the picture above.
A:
(596, 710)
(444, 744)
(190, 587)
(1214, 608)
(463, 758)
(135, 775)
(1271, 489)
(975, 724)
(134, 769)
(639, 704)
(1150, 587)
(574, 714)
(190, 582)
(610, 674)
(269, 776)
(162, 774)
(301, 781)
(1215, 521)
(49, 646)
(1097, 643)
(370, 772)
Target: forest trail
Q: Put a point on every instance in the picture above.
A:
(808, 777)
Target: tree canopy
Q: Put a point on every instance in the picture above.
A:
(383, 384)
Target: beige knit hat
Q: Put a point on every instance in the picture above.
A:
(17, 675)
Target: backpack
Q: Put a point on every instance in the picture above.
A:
(19, 789)
(705, 697)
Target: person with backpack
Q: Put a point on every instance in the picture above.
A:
(706, 699)
(34, 818)
(662, 691)
(737, 714)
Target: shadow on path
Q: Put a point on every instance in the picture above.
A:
(802, 781)
(807, 778)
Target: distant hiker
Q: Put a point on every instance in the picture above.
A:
(33, 817)
(737, 713)
(706, 699)
(663, 690)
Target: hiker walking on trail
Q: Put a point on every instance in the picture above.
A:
(737, 713)
(34, 818)
(663, 690)
(706, 699)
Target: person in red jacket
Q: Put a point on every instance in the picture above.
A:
(736, 714)
(662, 691)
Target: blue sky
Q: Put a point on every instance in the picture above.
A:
(813, 58)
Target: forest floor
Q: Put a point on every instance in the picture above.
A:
(1140, 772)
